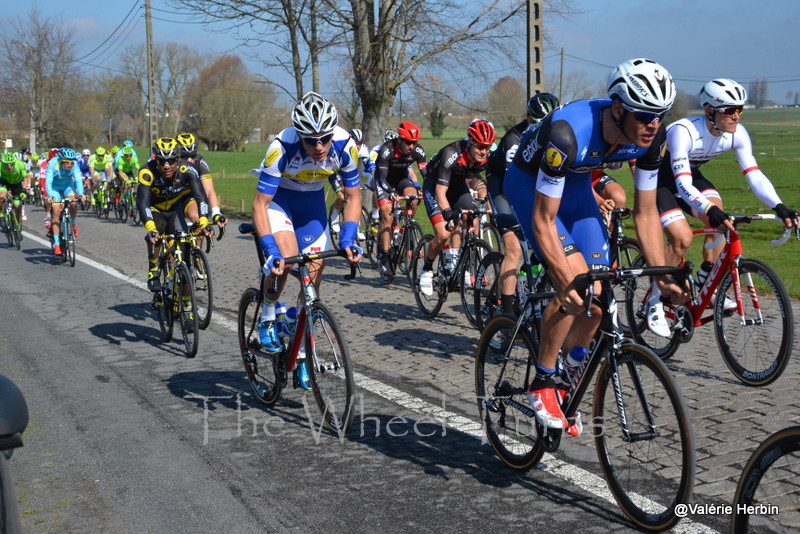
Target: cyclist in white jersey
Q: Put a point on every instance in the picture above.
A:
(289, 210)
(682, 187)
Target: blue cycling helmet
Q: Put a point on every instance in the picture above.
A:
(67, 154)
(128, 142)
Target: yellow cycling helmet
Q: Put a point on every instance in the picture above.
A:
(188, 144)
(166, 148)
(100, 151)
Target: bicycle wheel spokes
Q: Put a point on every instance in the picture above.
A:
(429, 305)
(470, 266)
(757, 345)
(486, 297)
(629, 253)
(203, 288)
(330, 370)
(260, 367)
(503, 369)
(187, 310)
(649, 469)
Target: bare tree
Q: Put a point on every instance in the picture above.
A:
(506, 101)
(225, 105)
(37, 63)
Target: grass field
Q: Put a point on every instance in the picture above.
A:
(776, 143)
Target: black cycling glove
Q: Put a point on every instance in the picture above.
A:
(785, 213)
(716, 217)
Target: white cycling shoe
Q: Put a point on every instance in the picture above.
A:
(426, 283)
(657, 320)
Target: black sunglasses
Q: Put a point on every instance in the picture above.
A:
(170, 161)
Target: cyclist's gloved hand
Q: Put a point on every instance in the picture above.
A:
(151, 236)
(450, 216)
(271, 252)
(717, 217)
(347, 235)
(219, 219)
(786, 213)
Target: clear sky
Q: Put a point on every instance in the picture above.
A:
(696, 40)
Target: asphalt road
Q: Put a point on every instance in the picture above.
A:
(128, 435)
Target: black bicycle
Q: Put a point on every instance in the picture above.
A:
(9, 222)
(406, 234)
(640, 421)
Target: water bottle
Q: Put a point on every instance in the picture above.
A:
(291, 320)
(268, 314)
(574, 362)
(522, 283)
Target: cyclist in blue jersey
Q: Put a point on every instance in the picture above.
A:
(549, 186)
(289, 210)
(63, 180)
(83, 168)
(336, 180)
(539, 105)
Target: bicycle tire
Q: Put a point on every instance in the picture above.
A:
(163, 304)
(411, 236)
(491, 235)
(648, 477)
(428, 305)
(371, 245)
(14, 231)
(387, 267)
(757, 354)
(501, 380)
(636, 314)
(329, 369)
(203, 286)
(772, 462)
(68, 239)
(123, 206)
(486, 297)
(626, 255)
(187, 310)
(475, 252)
(259, 367)
(6, 230)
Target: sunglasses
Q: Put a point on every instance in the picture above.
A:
(482, 147)
(170, 161)
(408, 143)
(314, 141)
(645, 117)
(730, 111)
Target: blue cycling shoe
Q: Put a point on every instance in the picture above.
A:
(268, 335)
(303, 380)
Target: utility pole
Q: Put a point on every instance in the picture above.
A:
(151, 76)
(535, 59)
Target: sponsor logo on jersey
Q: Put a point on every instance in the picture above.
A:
(554, 157)
(594, 154)
(662, 151)
(562, 237)
(272, 157)
(354, 153)
(308, 238)
(596, 255)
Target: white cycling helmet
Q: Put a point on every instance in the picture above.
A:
(86, 152)
(722, 92)
(313, 115)
(643, 84)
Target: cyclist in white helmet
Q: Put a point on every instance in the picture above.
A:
(682, 187)
(289, 209)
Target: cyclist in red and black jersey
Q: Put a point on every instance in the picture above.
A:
(392, 175)
(452, 172)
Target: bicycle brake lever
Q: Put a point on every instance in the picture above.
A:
(589, 298)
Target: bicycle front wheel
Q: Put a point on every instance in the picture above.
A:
(486, 297)
(162, 301)
(768, 486)
(411, 236)
(68, 239)
(477, 250)
(428, 301)
(757, 345)
(504, 366)
(627, 255)
(187, 310)
(329, 369)
(124, 210)
(260, 367)
(203, 288)
(643, 437)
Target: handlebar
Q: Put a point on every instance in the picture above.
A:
(747, 219)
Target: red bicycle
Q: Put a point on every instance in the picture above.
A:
(755, 339)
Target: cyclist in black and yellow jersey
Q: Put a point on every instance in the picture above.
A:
(168, 188)
(188, 146)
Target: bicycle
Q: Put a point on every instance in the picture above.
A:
(176, 298)
(406, 233)
(767, 485)
(640, 423)
(460, 278)
(756, 338)
(10, 224)
(67, 237)
(200, 270)
(130, 201)
(327, 359)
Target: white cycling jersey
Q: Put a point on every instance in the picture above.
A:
(691, 144)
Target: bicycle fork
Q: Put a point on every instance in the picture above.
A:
(627, 435)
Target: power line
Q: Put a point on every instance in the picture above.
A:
(112, 33)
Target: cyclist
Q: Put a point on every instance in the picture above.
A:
(101, 167)
(549, 186)
(188, 144)
(43, 166)
(682, 187)
(63, 180)
(452, 172)
(83, 167)
(539, 105)
(12, 174)
(393, 176)
(127, 168)
(388, 135)
(167, 187)
(336, 181)
(289, 210)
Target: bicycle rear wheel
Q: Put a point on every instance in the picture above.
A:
(429, 305)
(470, 265)
(412, 236)
(260, 367)
(203, 287)
(757, 346)
(187, 309)
(769, 480)
(330, 370)
(503, 370)
(651, 469)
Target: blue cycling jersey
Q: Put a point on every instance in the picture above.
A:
(59, 179)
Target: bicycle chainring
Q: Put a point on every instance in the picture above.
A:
(684, 324)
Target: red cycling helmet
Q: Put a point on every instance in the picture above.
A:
(481, 132)
(408, 131)
(53, 153)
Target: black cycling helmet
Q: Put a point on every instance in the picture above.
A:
(541, 104)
